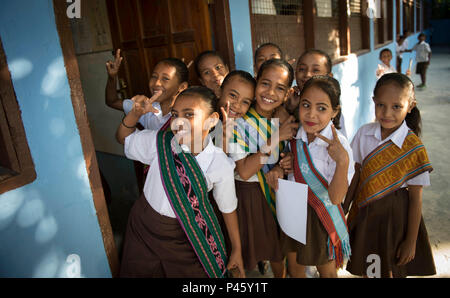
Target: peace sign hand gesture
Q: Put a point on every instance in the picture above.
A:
(143, 105)
(227, 122)
(113, 66)
(335, 149)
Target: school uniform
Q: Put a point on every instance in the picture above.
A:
(422, 56)
(385, 69)
(155, 243)
(399, 49)
(258, 227)
(316, 250)
(378, 219)
(152, 121)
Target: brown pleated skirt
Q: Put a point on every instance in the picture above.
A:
(260, 234)
(314, 252)
(379, 228)
(156, 246)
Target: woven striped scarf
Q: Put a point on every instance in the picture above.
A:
(331, 216)
(249, 126)
(387, 168)
(185, 186)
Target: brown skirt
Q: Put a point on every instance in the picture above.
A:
(314, 252)
(156, 246)
(379, 228)
(257, 227)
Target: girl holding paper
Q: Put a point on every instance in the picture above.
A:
(322, 158)
(256, 152)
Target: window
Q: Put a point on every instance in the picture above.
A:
(383, 23)
(408, 16)
(355, 24)
(327, 27)
(280, 22)
(16, 164)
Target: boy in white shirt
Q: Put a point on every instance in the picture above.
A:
(423, 57)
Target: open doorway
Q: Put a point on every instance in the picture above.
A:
(146, 31)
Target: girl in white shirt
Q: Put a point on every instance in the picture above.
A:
(385, 66)
(392, 167)
(172, 230)
(255, 151)
(322, 158)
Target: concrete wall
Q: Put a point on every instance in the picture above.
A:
(48, 228)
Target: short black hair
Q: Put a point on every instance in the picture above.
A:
(202, 56)
(385, 50)
(205, 94)
(240, 73)
(279, 63)
(182, 71)
(267, 44)
(329, 63)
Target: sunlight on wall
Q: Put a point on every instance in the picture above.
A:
(32, 211)
(333, 39)
(347, 73)
(46, 229)
(54, 82)
(20, 68)
(54, 264)
(9, 204)
(48, 265)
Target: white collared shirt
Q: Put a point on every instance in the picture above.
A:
(422, 50)
(216, 166)
(368, 138)
(401, 48)
(319, 153)
(385, 69)
(149, 120)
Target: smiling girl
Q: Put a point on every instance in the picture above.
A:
(392, 167)
(322, 158)
(172, 230)
(211, 70)
(256, 155)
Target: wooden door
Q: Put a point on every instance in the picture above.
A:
(150, 30)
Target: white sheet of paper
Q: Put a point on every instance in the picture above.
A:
(292, 202)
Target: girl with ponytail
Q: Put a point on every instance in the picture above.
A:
(391, 169)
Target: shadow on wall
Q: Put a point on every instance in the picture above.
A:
(49, 227)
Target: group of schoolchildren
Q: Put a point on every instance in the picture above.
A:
(208, 208)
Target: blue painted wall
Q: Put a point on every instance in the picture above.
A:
(49, 227)
(242, 34)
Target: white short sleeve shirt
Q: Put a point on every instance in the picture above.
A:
(217, 168)
(320, 157)
(422, 50)
(368, 138)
